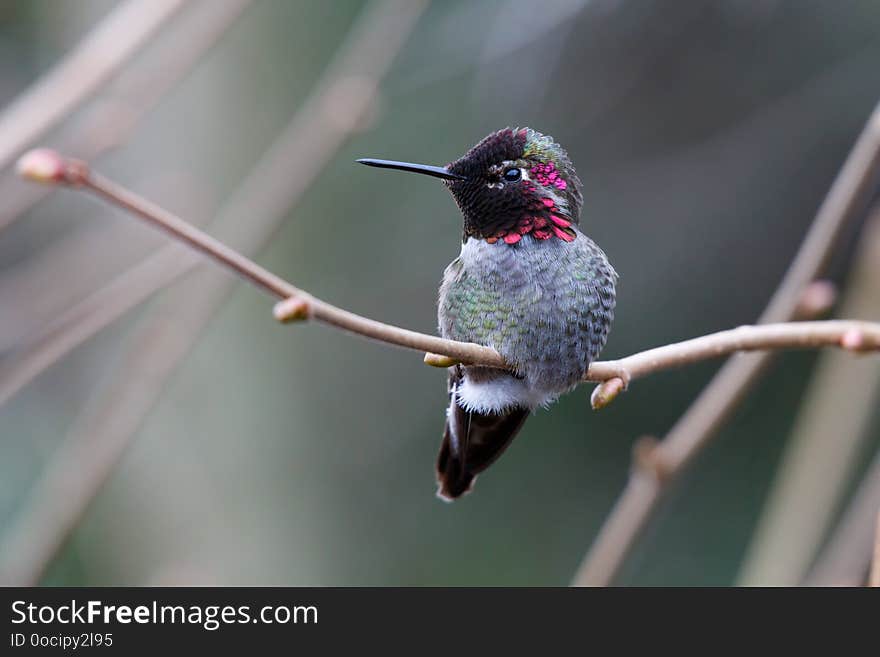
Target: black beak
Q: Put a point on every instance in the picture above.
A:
(427, 169)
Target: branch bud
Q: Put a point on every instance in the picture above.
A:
(41, 165)
(606, 392)
(854, 340)
(817, 299)
(437, 360)
(289, 310)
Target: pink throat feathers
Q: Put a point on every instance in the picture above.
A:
(544, 220)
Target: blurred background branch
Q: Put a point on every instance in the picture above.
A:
(846, 558)
(847, 197)
(132, 94)
(340, 105)
(92, 63)
(830, 434)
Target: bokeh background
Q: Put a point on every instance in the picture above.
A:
(706, 133)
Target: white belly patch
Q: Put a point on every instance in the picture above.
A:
(499, 395)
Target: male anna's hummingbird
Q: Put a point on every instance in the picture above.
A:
(527, 283)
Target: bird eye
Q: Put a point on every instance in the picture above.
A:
(512, 175)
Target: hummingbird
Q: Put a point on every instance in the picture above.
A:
(527, 283)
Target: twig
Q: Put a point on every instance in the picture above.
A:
(98, 56)
(815, 471)
(340, 105)
(48, 166)
(699, 424)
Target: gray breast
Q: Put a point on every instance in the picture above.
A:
(545, 305)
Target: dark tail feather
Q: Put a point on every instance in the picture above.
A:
(471, 443)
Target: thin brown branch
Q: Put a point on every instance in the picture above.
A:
(716, 403)
(94, 61)
(48, 166)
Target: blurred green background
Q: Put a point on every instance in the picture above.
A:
(706, 134)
